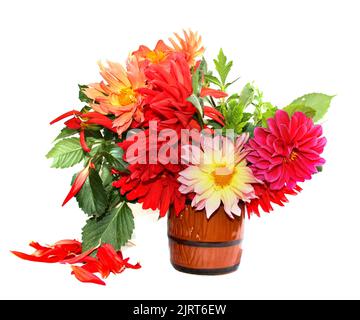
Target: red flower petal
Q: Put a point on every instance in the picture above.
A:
(79, 258)
(66, 115)
(78, 183)
(73, 123)
(83, 141)
(85, 276)
(214, 114)
(109, 258)
(212, 93)
(45, 259)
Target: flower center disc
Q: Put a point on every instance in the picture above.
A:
(125, 97)
(156, 56)
(222, 176)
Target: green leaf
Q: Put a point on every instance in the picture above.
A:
(66, 132)
(92, 197)
(270, 111)
(117, 153)
(113, 154)
(197, 104)
(213, 79)
(231, 83)
(115, 228)
(222, 66)
(235, 117)
(82, 96)
(246, 96)
(197, 77)
(115, 198)
(106, 178)
(214, 124)
(314, 105)
(249, 127)
(66, 153)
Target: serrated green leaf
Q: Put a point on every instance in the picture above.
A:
(65, 133)
(197, 104)
(92, 197)
(213, 79)
(66, 153)
(115, 228)
(222, 66)
(314, 105)
(82, 96)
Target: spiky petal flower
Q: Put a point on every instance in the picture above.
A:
(265, 197)
(190, 46)
(118, 94)
(155, 185)
(288, 151)
(218, 173)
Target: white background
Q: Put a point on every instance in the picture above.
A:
(309, 249)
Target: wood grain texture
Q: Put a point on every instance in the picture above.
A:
(192, 225)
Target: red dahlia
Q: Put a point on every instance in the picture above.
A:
(156, 185)
(267, 196)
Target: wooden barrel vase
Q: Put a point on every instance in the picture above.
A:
(205, 246)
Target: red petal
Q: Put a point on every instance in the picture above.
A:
(109, 258)
(214, 114)
(100, 119)
(79, 258)
(73, 123)
(131, 266)
(65, 115)
(212, 93)
(78, 183)
(33, 258)
(83, 141)
(37, 246)
(85, 276)
(72, 246)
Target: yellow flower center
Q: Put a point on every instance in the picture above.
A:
(124, 97)
(156, 56)
(222, 176)
(293, 156)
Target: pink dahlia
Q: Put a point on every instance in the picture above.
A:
(288, 151)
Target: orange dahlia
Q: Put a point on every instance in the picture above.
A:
(118, 94)
(190, 46)
(147, 56)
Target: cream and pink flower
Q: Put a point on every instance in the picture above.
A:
(117, 94)
(218, 173)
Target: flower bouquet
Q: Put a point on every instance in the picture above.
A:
(165, 131)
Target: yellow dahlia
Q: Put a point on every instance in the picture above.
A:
(117, 94)
(218, 173)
